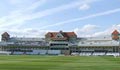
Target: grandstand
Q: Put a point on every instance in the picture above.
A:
(5, 53)
(62, 43)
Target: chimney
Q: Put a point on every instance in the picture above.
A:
(61, 31)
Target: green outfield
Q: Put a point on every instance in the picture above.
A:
(58, 63)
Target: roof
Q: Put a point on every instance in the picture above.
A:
(100, 38)
(115, 32)
(5, 34)
(98, 42)
(26, 39)
(66, 35)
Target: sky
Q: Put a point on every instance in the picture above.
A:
(34, 18)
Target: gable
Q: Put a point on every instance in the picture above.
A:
(115, 32)
(59, 35)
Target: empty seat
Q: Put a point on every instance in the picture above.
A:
(99, 53)
(85, 53)
(112, 54)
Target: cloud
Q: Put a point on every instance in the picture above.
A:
(85, 30)
(19, 17)
(107, 31)
(84, 18)
(88, 28)
(84, 7)
(58, 9)
(12, 21)
(86, 4)
(27, 32)
(15, 1)
(91, 31)
(22, 2)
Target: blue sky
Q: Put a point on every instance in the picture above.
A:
(33, 18)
